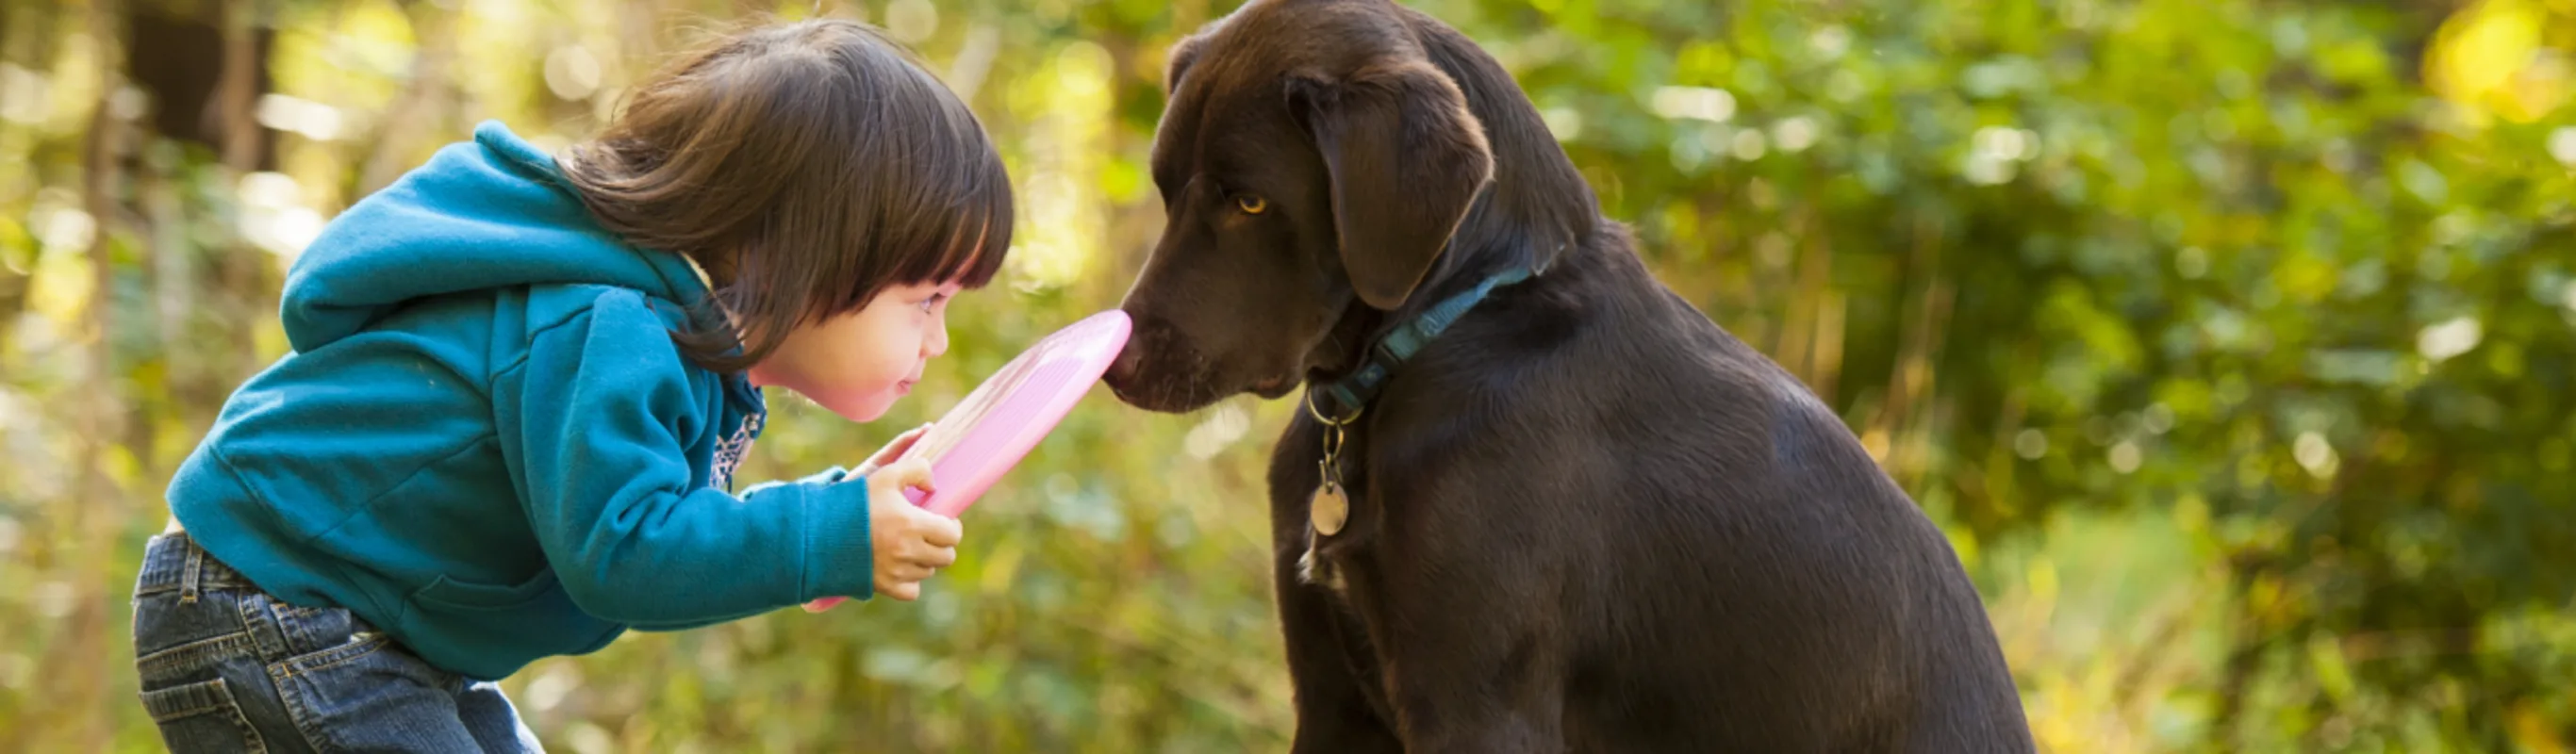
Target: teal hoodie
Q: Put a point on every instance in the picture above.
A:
(486, 444)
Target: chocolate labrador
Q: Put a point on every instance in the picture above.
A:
(1565, 513)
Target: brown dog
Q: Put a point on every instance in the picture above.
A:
(1584, 517)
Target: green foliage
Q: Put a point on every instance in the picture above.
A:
(2232, 355)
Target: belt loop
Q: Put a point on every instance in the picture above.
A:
(259, 619)
(189, 576)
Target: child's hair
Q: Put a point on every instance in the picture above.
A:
(805, 167)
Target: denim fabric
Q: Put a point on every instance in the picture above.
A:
(228, 668)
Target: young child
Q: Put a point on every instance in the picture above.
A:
(520, 387)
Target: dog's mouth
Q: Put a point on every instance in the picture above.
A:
(1190, 393)
(1164, 380)
(1164, 371)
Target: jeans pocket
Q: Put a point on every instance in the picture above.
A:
(202, 718)
(163, 621)
(371, 694)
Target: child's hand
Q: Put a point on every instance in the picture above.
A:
(910, 543)
(891, 451)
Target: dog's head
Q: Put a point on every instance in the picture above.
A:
(1316, 158)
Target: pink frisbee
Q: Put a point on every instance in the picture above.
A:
(995, 426)
(998, 424)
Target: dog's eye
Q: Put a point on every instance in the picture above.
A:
(1252, 205)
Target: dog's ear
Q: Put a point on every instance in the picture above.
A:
(1406, 160)
(1178, 60)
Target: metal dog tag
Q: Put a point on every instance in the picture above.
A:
(1328, 509)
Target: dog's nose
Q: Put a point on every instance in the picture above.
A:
(1122, 370)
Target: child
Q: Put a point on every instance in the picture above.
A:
(520, 387)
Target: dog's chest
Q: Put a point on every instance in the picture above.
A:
(1337, 515)
(1325, 495)
(1316, 569)
(1329, 536)
(1340, 565)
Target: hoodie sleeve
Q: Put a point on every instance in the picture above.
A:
(602, 405)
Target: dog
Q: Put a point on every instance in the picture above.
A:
(1582, 517)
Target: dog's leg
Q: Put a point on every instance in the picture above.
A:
(1324, 646)
(1476, 694)
(1331, 668)
(1470, 619)
(1472, 645)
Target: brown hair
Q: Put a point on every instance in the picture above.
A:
(805, 167)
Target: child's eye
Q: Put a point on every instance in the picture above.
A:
(1252, 205)
(928, 304)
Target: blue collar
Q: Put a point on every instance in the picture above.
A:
(1353, 391)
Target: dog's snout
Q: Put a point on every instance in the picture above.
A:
(1122, 371)
(1130, 364)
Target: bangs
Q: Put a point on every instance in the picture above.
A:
(960, 231)
(923, 190)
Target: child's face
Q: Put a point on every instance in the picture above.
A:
(857, 364)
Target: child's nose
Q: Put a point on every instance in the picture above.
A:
(937, 343)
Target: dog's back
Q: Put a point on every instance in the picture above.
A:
(1738, 574)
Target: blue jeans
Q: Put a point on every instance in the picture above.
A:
(228, 668)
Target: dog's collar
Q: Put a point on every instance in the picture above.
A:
(1354, 391)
